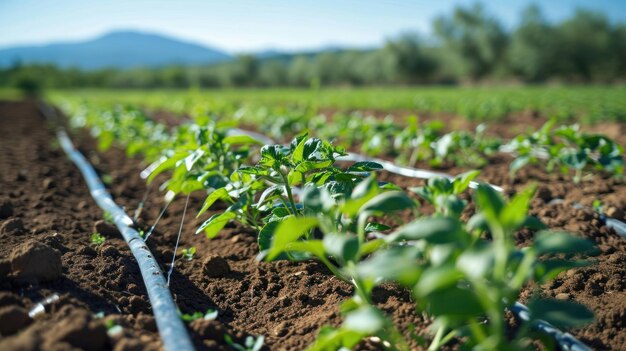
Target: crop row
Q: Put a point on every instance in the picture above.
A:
(410, 141)
(477, 103)
(463, 274)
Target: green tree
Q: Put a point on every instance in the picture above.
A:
(477, 40)
(411, 63)
(533, 49)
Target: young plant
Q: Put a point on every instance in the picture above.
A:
(97, 239)
(463, 279)
(280, 170)
(188, 253)
(567, 149)
(443, 193)
(208, 315)
(334, 229)
(108, 217)
(250, 344)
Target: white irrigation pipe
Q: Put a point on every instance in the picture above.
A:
(406, 171)
(171, 328)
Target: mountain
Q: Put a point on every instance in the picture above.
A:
(120, 49)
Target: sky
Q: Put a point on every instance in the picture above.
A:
(255, 25)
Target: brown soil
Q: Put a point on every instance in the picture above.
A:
(47, 215)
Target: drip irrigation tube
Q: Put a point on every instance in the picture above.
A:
(566, 341)
(406, 171)
(171, 328)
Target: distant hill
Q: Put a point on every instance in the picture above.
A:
(120, 49)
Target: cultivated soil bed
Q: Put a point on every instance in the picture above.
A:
(47, 217)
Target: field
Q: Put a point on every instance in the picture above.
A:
(281, 245)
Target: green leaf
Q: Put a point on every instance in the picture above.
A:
(437, 230)
(191, 160)
(437, 278)
(462, 181)
(560, 313)
(560, 242)
(362, 193)
(217, 194)
(490, 202)
(330, 338)
(376, 227)
(240, 139)
(314, 247)
(289, 230)
(266, 234)
(388, 202)
(534, 223)
(213, 225)
(399, 264)
(477, 261)
(455, 302)
(341, 246)
(514, 213)
(365, 166)
(189, 186)
(519, 163)
(273, 155)
(298, 152)
(165, 165)
(366, 320)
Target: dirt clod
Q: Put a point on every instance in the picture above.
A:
(12, 319)
(48, 183)
(79, 330)
(35, 262)
(6, 209)
(12, 226)
(207, 329)
(128, 344)
(615, 212)
(105, 228)
(216, 266)
(145, 321)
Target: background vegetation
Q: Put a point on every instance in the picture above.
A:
(467, 46)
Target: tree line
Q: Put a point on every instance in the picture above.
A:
(467, 46)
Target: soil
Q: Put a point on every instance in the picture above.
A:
(47, 217)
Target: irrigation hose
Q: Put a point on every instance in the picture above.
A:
(566, 341)
(171, 328)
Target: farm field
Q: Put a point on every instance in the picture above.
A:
(586, 103)
(294, 249)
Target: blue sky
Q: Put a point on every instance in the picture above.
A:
(248, 25)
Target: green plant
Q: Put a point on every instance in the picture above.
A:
(568, 149)
(250, 344)
(188, 253)
(443, 193)
(279, 170)
(456, 275)
(208, 315)
(97, 239)
(108, 217)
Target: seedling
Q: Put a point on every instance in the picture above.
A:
(208, 315)
(97, 239)
(250, 344)
(188, 253)
(108, 217)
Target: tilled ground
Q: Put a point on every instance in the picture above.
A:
(47, 216)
